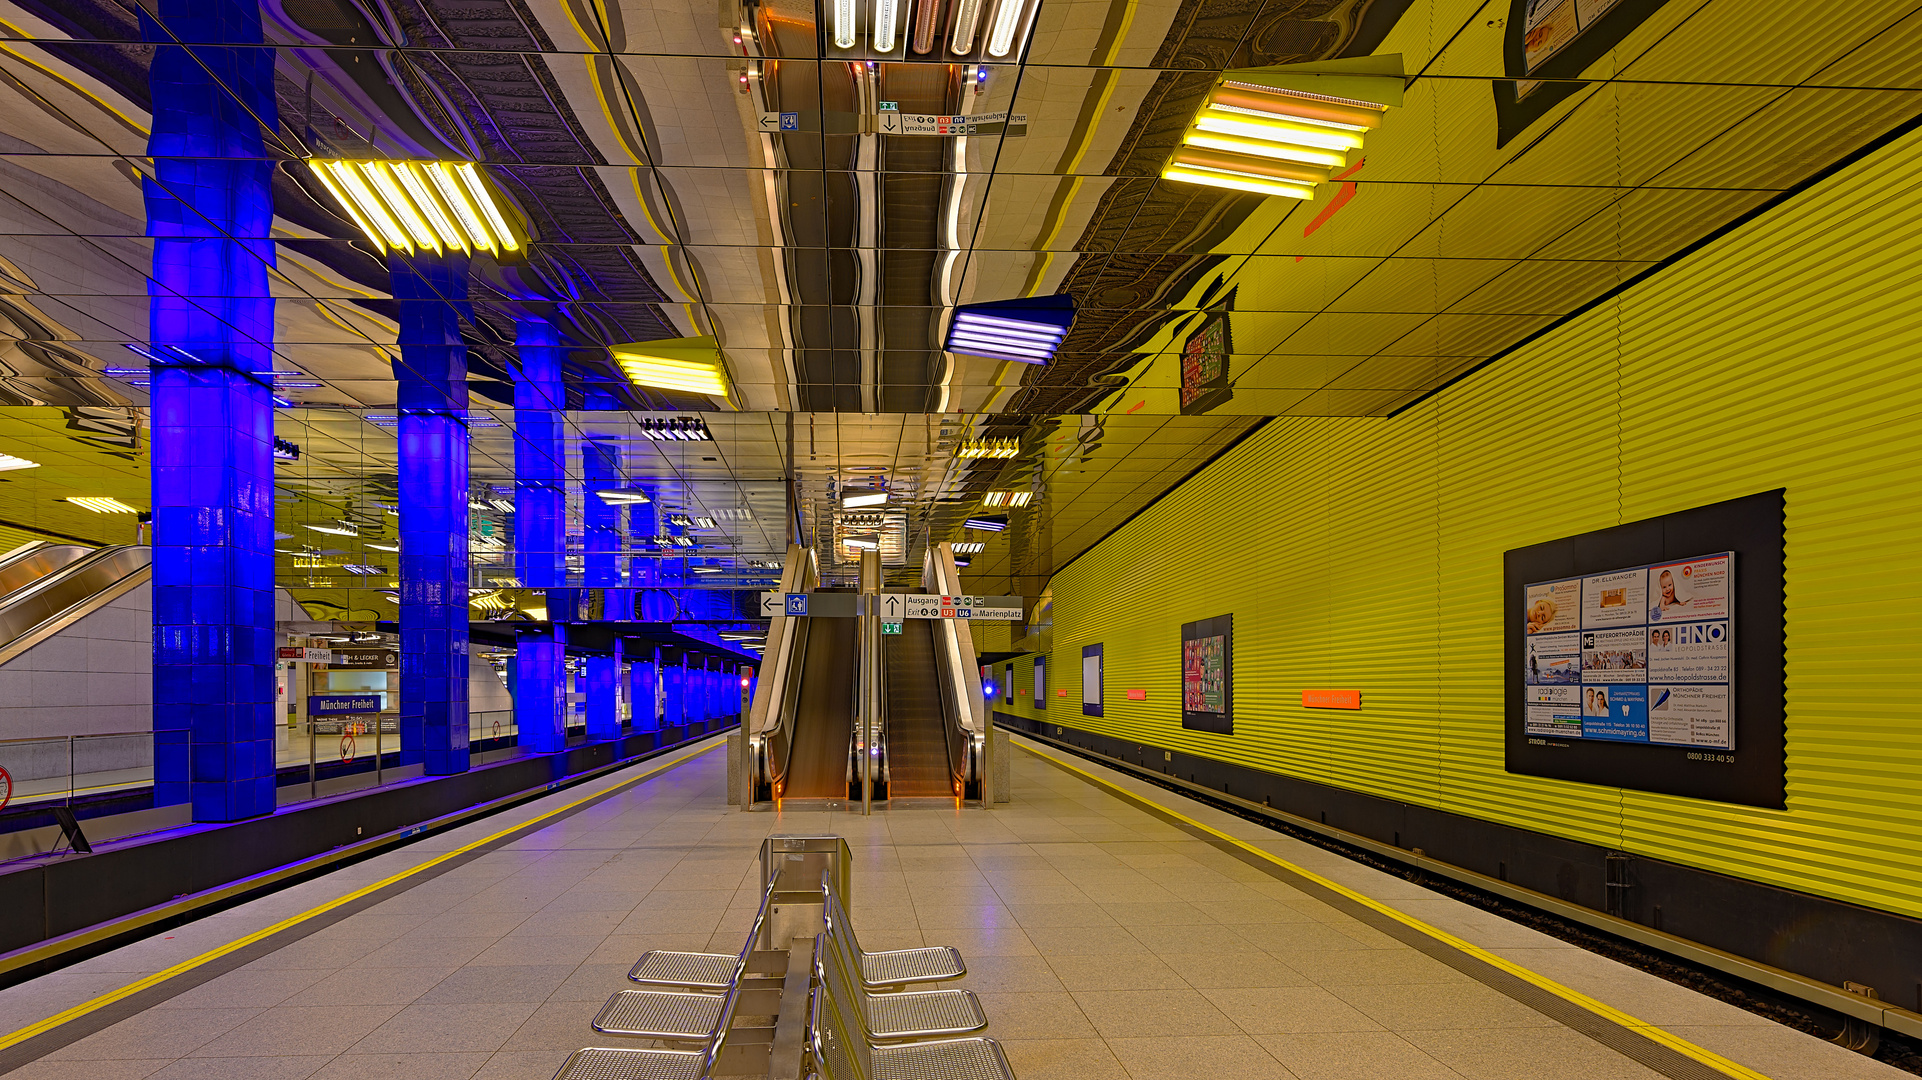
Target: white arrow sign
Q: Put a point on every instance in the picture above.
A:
(772, 602)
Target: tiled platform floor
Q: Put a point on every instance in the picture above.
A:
(1103, 942)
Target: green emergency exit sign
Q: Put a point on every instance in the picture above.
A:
(890, 628)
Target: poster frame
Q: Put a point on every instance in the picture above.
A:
(1223, 722)
(1754, 773)
(1092, 652)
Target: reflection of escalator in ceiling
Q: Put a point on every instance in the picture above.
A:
(1123, 294)
(914, 176)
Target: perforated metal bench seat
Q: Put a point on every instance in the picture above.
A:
(689, 970)
(923, 1014)
(600, 1063)
(660, 1014)
(951, 1059)
(895, 967)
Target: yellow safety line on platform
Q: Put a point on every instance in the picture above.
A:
(1607, 1012)
(158, 977)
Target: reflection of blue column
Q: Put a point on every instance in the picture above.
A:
(540, 532)
(603, 702)
(432, 395)
(211, 316)
(601, 528)
(645, 701)
(673, 671)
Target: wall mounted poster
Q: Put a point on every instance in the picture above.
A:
(1207, 675)
(1091, 680)
(1639, 654)
(1650, 655)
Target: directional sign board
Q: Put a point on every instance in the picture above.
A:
(928, 606)
(890, 628)
(797, 603)
(903, 123)
(814, 605)
(780, 121)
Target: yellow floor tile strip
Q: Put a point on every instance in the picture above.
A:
(1575, 997)
(122, 993)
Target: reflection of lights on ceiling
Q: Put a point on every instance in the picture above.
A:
(1028, 330)
(673, 541)
(989, 448)
(505, 506)
(852, 498)
(1005, 28)
(707, 569)
(362, 569)
(969, 547)
(8, 463)
(1007, 498)
(962, 562)
(665, 373)
(687, 521)
(384, 547)
(676, 429)
(1272, 140)
(988, 522)
(285, 450)
(345, 528)
(864, 541)
(624, 496)
(489, 601)
(436, 206)
(101, 504)
(887, 18)
(734, 513)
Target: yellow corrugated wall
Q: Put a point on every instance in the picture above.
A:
(1367, 553)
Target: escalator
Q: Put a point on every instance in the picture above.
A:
(50, 587)
(817, 759)
(917, 727)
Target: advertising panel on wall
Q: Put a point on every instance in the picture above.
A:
(1040, 682)
(1207, 675)
(1091, 680)
(1650, 655)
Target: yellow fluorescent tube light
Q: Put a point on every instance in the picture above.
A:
(1286, 131)
(406, 206)
(1257, 184)
(663, 373)
(1279, 151)
(102, 504)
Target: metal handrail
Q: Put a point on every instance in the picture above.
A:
(770, 726)
(961, 679)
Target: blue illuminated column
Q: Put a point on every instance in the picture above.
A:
(603, 695)
(673, 683)
(644, 700)
(432, 397)
(540, 534)
(211, 318)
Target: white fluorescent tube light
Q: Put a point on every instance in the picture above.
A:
(384, 547)
(1009, 15)
(624, 496)
(1277, 131)
(8, 463)
(844, 24)
(433, 205)
(887, 23)
(967, 13)
(852, 499)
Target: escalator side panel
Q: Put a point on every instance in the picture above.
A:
(824, 714)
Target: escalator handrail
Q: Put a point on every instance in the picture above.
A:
(30, 615)
(34, 560)
(967, 718)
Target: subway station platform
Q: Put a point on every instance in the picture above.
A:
(1111, 929)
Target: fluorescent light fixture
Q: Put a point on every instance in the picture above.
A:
(925, 24)
(676, 429)
(706, 569)
(1266, 139)
(363, 570)
(967, 16)
(385, 547)
(8, 463)
(666, 373)
(735, 513)
(852, 498)
(1004, 30)
(843, 23)
(686, 521)
(101, 504)
(968, 547)
(864, 541)
(989, 448)
(887, 24)
(505, 506)
(988, 522)
(673, 541)
(436, 206)
(1027, 330)
(342, 529)
(1006, 498)
(624, 497)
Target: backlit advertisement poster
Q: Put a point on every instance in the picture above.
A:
(1649, 658)
(1204, 365)
(1207, 675)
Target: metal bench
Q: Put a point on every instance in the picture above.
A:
(841, 1052)
(712, 972)
(892, 967)
(896, 1017)
(610, 1063)
(684, 1015)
